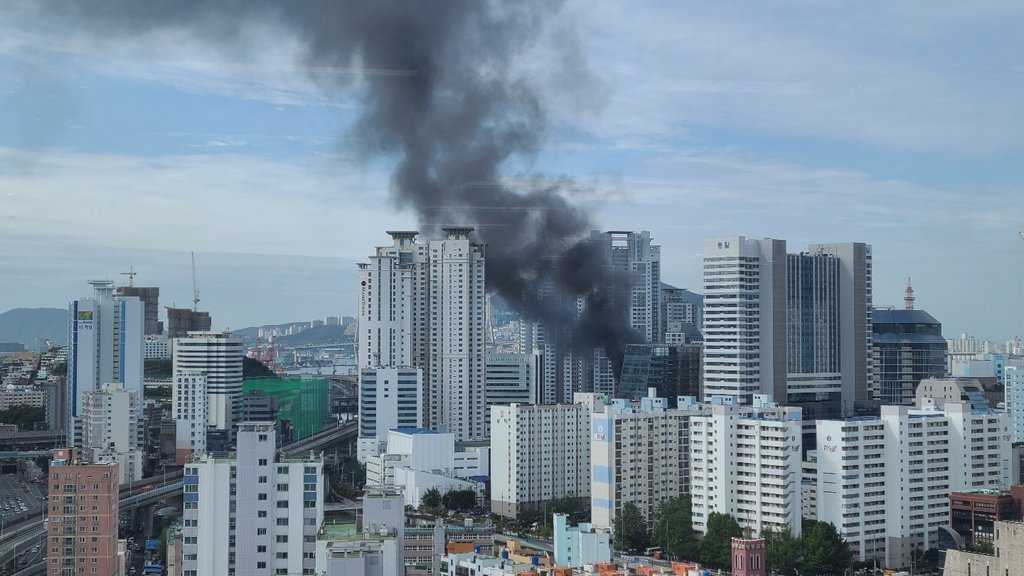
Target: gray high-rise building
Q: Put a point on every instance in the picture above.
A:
(828, 328)
(907, 347)
(181, 321)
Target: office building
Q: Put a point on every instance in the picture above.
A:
(511, 379)
(157, 348)
(12, 395)
(889, 477)
(744, 317)
(255, 514)
(672, 370)
(640, 454)
(538, 453)
(745, 461)
(423, 306)
(105, 336)
(973, 513)
(150, 297)
(219, 356)
(906, 347)
(828, 328)
(181, 321)
(82, 516)
(189, 405)
(112, 430)
(389, 398)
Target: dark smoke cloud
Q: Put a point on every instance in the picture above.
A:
(444, 95)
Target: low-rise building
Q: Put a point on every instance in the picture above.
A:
(1008, 559)
(973, 513)
(579, 545)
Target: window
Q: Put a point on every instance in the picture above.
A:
(263, 461)
(261, 496)
(261, 514)
(261, 548)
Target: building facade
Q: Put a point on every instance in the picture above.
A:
(745, 461)
(112, 430)
(219, 356)
(538, 453)
(189, 405)
(256, 513)
(105, 344)
(82, 516)
(906, 347)
(389, 398)
(640, 454)
(744, 317)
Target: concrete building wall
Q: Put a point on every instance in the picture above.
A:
(219, 355)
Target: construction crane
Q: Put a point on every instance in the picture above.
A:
(130, 274)
(195, 291)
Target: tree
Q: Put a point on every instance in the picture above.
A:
(673, 528)
(431, 498)
(630, 529)
(980, 548)
(824, 550)
(459, 500)
(782, 550)
(716, 547)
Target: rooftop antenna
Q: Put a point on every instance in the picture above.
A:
(908, 300)
(195, 291)
(130, 274)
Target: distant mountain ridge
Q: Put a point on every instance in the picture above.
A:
(26, 325)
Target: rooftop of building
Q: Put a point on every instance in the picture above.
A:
(348, 531)
(901, 316)
(411, 431)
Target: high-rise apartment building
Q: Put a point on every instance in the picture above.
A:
(389, 398)
(888, 478)
(745, 461)
(256, 513)
(744, 317)
(189, 405)
(219, 356)
(424, 306)
(1014, 398)
(112, 430)
(639, 454)
(906, 346)
(632, 255)
(681, 315)
(538, 453)
(105, 344)
(82, 516)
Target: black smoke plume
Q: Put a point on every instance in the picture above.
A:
(443, 93)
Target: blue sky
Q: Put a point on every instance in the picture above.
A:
(896, 124)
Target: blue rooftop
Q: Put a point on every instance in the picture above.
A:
(411, 431)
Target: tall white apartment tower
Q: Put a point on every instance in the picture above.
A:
(745, 461)
(423, 306)
(253, 514)
(105, 344)
(456, 341)
(112, 429)
(744, 317)
(188, 401)
(219, 356)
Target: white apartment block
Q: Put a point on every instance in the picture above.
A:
(389, 398)
(12, 395)
(111, 429)
(456, 341)
(890, 477)
(105, 344)
(538, 453)
(188, 404)
(640, 453)
(254, 514)
(745, 461)
(219, 355)
(744, 317)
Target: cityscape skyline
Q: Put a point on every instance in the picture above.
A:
(896, 129)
